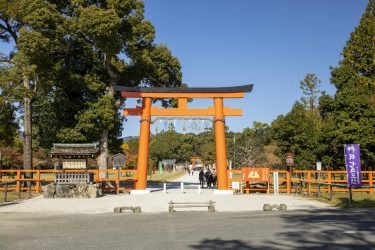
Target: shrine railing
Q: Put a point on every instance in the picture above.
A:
(289, 182)
(38, 178)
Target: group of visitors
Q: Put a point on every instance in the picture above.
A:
(189, 169)
(208, 177)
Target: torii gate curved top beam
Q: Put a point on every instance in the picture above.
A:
(182, 94)
(233, 89)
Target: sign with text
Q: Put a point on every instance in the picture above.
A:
(353, 165)
(235, 184)
(255, 174)
(319, 166)
(74, 163)
(275, 182)
(118, 160)
(289, 161)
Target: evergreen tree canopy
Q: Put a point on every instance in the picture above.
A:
(349, 116)
(297, 132)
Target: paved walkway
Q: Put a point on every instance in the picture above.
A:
(157, 201)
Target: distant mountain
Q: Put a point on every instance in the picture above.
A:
(127, 138)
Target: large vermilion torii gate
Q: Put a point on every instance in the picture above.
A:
(182, 94)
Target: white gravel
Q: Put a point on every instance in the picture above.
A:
(157, 201)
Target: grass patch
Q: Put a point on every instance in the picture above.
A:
(360, 200)
(13, 196)
(165, 177)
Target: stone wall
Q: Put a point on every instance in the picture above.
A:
(79, 190)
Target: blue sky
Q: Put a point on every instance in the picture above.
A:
(271, 44)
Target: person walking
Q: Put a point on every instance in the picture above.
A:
(201, 178)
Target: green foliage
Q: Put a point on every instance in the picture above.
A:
(71, 52)
(349, 116)
(8, 124)
(262, 132)
(297, 132)
(172, 145)
(357, 68)
(206, 147)
(310, 88)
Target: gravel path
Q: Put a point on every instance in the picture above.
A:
(157, 201)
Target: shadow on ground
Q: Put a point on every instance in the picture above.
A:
(328, 229)
(323, 229)
(218, 243)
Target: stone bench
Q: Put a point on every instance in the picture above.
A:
(135, 210)
(210, 205)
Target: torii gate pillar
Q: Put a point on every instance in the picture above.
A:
(221, 154)
(143, 148)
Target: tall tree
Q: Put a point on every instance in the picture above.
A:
(349, 116)
(297, 132)
(117, 35)
(32, 26)
(310, 87)
(8, 123)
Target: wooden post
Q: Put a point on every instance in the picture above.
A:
(330, 192)
(370, 176)
(29, 187)
(221, 154)
(288, 179)
(18, 176)
(38, 182)
(308, 183)
(6, 192)
(118, 181)
(97, 175)
(143, 147)
(350, 196)
(329, 173)
(318, 189)
(19, 191)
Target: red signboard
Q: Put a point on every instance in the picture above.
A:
(256, 174)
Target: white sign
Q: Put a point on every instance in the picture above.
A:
(275, 182)
(74, 163)
(230, 169)
(319, 166)
(235, 184)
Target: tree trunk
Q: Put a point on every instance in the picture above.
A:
(27, 135)
(103, 149)
(103, 141)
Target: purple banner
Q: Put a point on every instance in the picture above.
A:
(353, 165)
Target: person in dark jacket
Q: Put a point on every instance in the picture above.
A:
(201, 178)
(210, 180)
(214, 180)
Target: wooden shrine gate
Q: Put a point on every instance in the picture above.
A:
(219, 112)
